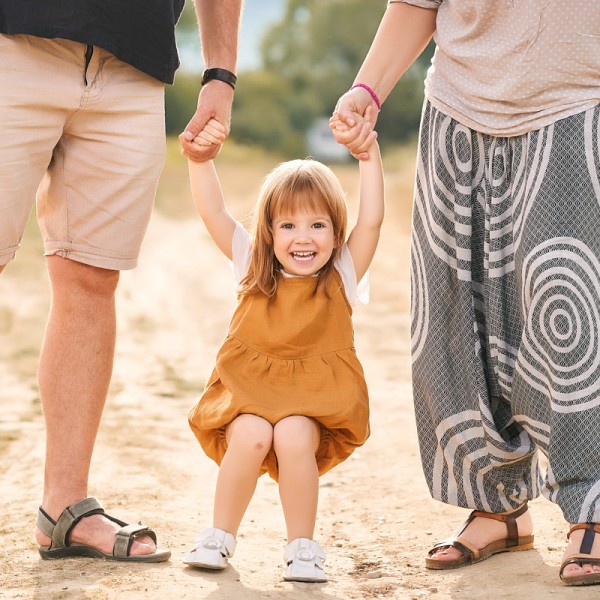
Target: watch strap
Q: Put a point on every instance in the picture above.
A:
(220, 75)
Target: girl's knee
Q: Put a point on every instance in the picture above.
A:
(296, 434)
(253, 433)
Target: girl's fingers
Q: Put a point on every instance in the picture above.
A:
(338, 125)
(360, 142)
(215, 128)
(208, 137)
(212, 133)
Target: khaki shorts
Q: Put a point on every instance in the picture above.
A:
(92, 153)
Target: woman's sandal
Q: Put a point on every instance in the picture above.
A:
(583, 557)
(511, 543)
(59, 532)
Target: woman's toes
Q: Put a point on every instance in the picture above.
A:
(446, 554)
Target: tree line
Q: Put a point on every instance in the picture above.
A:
(309, 59)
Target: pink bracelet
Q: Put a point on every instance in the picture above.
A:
(373, 95)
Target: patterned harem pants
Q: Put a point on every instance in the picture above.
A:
(506, 314)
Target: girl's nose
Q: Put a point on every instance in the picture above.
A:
(303, 235)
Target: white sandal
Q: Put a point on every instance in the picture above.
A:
(304, 560)
(213, 548)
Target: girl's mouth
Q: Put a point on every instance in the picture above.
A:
(303, 256)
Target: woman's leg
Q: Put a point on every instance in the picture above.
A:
(539, 301)
(249, 439)
(465, 327)
(558, 363)
(295, 441)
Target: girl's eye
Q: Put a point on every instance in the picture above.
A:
(319, 225)
(287, 226)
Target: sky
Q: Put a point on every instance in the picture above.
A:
(258, 16)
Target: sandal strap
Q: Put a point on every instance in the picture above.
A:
(468, 551)
(126, 536)
(71, 516)
(510, 520)
(59, 530)
(512, 538)
(591, 529)
(45, 522)
(304, 549)
(214, 538)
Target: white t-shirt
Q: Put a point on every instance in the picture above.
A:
(507, 67)
(357, 293)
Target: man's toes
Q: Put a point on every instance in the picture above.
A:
(143, 545)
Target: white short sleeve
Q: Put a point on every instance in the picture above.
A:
(419, 3)
(241, 249)
(357, 293)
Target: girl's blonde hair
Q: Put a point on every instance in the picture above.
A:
(291, 187)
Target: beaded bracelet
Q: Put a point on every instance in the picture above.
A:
(373, 95)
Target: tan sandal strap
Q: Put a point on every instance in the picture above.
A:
(587, 542)
(468, 551)
(594, 526)
(510, 520)
(471, 552)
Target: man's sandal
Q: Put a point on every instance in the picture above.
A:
(583, 557)
(59, 532)
(511, 543)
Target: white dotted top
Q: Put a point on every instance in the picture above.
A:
(506, 67)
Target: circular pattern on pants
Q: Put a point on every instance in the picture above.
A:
(560, 354)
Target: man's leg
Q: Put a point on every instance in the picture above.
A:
(74, 375)
(93, 205)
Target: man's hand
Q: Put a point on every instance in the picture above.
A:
(214, 102)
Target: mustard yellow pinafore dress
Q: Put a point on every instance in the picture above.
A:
(292, 354)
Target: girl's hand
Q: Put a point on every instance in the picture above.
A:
(354, 131)
(212, 133)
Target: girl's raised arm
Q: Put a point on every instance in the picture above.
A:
(207, 193)
(363, 239)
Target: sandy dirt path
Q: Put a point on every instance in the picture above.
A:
(376, 519)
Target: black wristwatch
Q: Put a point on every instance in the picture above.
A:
(219, 74)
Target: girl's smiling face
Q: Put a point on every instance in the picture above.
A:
(303, 242)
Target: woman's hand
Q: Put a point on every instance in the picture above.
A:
(352, 124)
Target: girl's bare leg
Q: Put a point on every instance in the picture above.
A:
(249, 439)
(295, 441)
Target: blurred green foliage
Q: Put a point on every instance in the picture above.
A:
(308, 60)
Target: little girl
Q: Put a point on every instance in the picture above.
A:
(287, 395)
